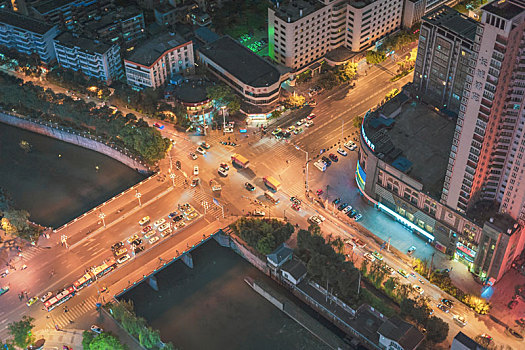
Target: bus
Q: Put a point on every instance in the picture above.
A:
(106, 267)
(60, 298)
(240, 161)
(271, 197)
(272, 183)
(84, 281)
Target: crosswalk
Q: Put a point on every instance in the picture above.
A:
(206, 204)
(67, 318)
(27, 254)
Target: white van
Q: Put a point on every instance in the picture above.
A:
(320, 165)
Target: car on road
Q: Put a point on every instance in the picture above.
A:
(311, 116)
(144, 221)
(200, 150)
(390, 269)
(121, 251)
(46, 297)
(460, 320)
(299, 123)
(342, 152)
(224, 166)
(196, 170)
(418, 289)
(290, 129)
(164, 227)
(158, 126)
(132, 238)
(149, 234)
(358, 242)
(326, 160)
(276, 131)
(249, 186)
(358, 217)
(447, 302)
(146, 229)
(377, 255)
(222, 172)
(136, 242)
(96, 329)
(315, 219)
(336, 201)
(193, 156)
(298, 131)
(172, 215)
(123, 259)
(159, 222)
(342, 206)
(515, 333)
(4, 290)
(411, 249)
(296, 206)
(333, 157)
(443, 308)
(153, 240)
(369, 257)
(403, 273)
(521, 321)
(205, 145)
(347, 209)
(117, 246)
(309, 123)
(486, 337)
(350, 145)
(258, 213)
(178, 218)
(32, 301)
(138, 249)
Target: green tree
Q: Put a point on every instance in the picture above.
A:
(106, 341)
(87, 338)
(223, 95)
(21, 331)
(266, 244)
(347, 72)
(358, 121)
(295, 100)
(375, 57)
(328, 80)
(437, 329)
(276, 114)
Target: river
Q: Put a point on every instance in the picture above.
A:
(211, 307)
(57, 181)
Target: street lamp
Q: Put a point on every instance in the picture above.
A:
(138, 195)
(172, 177)
(306, 166)
(63, 240)
(223, 108)
(102, 216)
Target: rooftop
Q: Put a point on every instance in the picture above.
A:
(454, 21)
(44, 7)
(121, 14)
(242, 63)
(85, 44)
(402, 332)
(280, 254)
(24, 22)
(413, 138)
(191, 92)
(466, 342)
(504, 9)
(296, 9)
(505, 223)
(295, 268)
(147, 52)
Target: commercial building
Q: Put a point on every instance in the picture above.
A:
(94, 58)
(414, 10)
(193, 97)
(67, 13)
(398, 334)
(27, 35)
(302, 31)
(256, 80)
(156, 59)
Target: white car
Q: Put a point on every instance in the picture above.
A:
(228, 130)
(149, 234)
(200, 150)
(153, 240)
(369, 257)
(123, 259)
(299, 123)
(258, 213)
(222, 172)
(347, 209)
(144, 221)
(358, 217)
(309, 123)
(342, 152)
(132, 238)
(159, 222)
(460, 320)
(315, 219)
(46, 297)
(196, 170)
(164, 227)
(193, 156)
(350, 145)
(418, 289)
(96, 329)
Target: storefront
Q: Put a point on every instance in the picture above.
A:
(465, 254)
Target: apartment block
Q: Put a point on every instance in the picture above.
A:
(153, 61)
(303, 31)
(92, 57)
(67, 13)
(27, 35)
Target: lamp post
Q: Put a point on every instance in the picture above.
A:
(223, 109)
(102, 216)
(138, 195)
(306, 166)
(172, 177)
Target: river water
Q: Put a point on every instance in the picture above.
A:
(57, 181)
(211, 307)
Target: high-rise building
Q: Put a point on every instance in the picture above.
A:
(27, 35)
(92, 57)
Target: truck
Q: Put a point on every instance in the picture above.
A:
(240, 161)
(272, 183)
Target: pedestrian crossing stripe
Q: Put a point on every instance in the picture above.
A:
(73, 313)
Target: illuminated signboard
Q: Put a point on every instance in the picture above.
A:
(360, 177)
(464, 249)
(368, 142)
(405, 221)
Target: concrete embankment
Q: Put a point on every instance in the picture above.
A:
(80, 139)
(296, 314)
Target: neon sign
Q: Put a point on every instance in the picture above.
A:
(367, 141)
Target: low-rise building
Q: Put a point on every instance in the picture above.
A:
(256, 80)
(463, 342)
(193, 97)
(155, 59)
(94, 58)
(279, 256)
(293, 271)
(27, 35)
(399, 335)
(67, 13)
(166, 15)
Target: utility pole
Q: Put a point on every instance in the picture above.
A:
(430, 267)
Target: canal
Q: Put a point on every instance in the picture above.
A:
(211, 307)
(56, 181)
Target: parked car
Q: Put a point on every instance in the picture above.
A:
(326, 160)
(369, 257)
(249, 186)
(358, 217)
(200, 150)
(418, 289)
(196, 170)
(159, 222)
(123, 259)
(224, 166)
(222, 172)
(311, 116)
(443, 308)
(512, 304)
(342, 206)
(193, 156)
(336, 201)
(144, 221)
(347, 209)
(258, 213)
(350, 145)
(342, 152)
(460, 320)
(205, 145)
(333, 157)
(411, 249)
(153, 240)
(117, 246)
(96, 329)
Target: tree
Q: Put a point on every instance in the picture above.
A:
(328, 80)
(375, 57)
(106, 341)
(87, 338)
(358, 121)
(276, 114)
(21, 331)
(295, 100)
(347, 72)
(437, 329)
(266, 244)
(223, 95)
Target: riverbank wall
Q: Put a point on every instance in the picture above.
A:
(81, 139)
